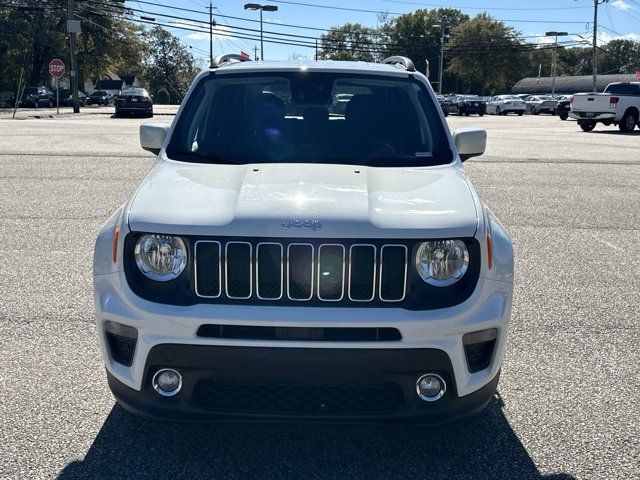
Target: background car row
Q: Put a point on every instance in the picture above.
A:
(505, 104)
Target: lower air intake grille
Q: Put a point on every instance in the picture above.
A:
(227, 396)
(121, 348)
(304, 334)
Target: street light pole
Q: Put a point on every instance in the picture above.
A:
(267, 8)
(441, 58)
(554, 60)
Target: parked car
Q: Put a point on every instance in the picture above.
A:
(563, 107)
(537, 104)
(134, 100)
(101, 97)
(444, 104)
(35, 97)
(231, 285)
(68, 100)
(467, 104)
(505, 104)
(619, 104)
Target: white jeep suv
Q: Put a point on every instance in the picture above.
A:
(290, 256)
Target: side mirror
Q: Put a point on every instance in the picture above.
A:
(470, 142)
(152, 136)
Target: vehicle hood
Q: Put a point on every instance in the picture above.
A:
(310, 200)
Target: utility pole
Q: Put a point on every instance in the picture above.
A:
(210, 34)
(316, 49)
(594, 60)
(72, 28)
(255, 53)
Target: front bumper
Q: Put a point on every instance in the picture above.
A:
(242, 383)
(134, 107)
(440, 330)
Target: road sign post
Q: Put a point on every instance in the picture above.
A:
(56, 69)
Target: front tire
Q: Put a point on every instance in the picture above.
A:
(628, 122)
(587, 125)
(520, 114)
(563, 115)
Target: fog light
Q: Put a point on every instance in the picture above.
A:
(430, 387)
(167, 382)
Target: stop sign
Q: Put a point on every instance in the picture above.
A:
(56, 68)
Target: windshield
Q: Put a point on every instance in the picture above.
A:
(475, 98)
(98, 94)
(31, 90)
(135, 91)
(545, 97)
(510, 97)
(297, 117)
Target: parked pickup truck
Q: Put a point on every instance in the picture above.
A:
(619, 104)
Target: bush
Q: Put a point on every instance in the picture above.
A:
(162, 97)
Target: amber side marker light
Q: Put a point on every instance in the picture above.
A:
(116, 235)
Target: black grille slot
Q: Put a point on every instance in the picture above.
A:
(208, 269)
(330, 334)
(479, 355)
(302, 399)
(300, 271)
(269, 271)
(331, 272)
(362, 272)
(238, 271)
(393, 272)
(121, 348)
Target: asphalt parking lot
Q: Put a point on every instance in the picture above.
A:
(569, 403)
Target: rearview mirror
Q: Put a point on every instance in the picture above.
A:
(470, 142)
(152, 136)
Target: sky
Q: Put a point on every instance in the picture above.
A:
(617, 19)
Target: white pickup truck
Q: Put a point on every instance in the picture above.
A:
(619, 104)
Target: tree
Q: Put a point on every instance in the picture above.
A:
(350, 41)
(169, 64)
(620, 56)
(487, 54)
(414, 35)
(30, 37)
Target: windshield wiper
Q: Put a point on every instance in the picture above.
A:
(211, 157)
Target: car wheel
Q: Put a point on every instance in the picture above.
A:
(498, 111)
(520, 114)
(587, 125)
(467, 114)
(628, 122)
(481, 114)
(535, 111)
(563, 115)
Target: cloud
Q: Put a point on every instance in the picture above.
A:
(605, 37)
(219, 31)
(620, 5)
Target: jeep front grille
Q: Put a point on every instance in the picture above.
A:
(294, 271)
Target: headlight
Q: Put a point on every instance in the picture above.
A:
(442, 262)
(161, 257)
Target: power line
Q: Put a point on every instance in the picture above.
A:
(363, 10)
(432, 5)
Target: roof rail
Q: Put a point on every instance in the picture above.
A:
(406, 62)
(221, 60)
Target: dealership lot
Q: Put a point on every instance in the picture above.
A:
(569, 393)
